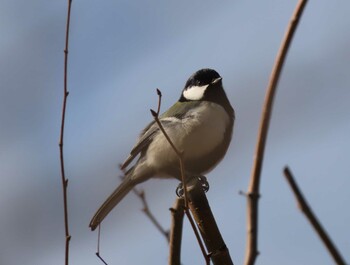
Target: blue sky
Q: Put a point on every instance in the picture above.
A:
(120, 52)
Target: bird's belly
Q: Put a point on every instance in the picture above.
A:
(197, 135)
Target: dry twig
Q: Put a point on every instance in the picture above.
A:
(149, 214)
(98, 246)
(141, 195)
(183, 177)
(101, 259)
(177, 213)
(199, 205)
(253, 190)
(198, 237)
(178, 152)
(305, 208)
(200, 208)
(60, 144)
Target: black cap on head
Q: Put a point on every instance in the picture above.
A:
(206, 85)
(202, 77)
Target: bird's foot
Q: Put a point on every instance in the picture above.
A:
(202, 179)
(180, 190)
(204, 182)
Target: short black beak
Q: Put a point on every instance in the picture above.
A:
(216, 80)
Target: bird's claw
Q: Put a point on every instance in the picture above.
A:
(204, 182)
(202, 179)
(180, 190)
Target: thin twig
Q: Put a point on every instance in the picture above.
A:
(179, 154)
(183, 177)
(159, 93)
(149, 214)
(253, 190)
(60, 144)
(141, 195)
(98, 255)
(198, 237)
(177, 213)
(98, 245)
(306, 209)
(98, 238)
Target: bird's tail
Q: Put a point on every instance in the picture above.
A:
(120, 192)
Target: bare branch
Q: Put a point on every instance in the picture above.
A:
(198, 237)
(199, 205)
(147, 211)
(149, 214)
(200, 209)
(306, 209)
(159, 93)
(178, 153)
(101, 259)
(253, 190)
(60, 144)
(98, 246)
(177, 213)
(183, 177)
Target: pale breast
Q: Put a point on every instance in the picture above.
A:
(210, 121)
(197, 134)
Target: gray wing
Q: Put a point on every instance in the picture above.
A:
(176, 113)
(142, 144)
(145, 139)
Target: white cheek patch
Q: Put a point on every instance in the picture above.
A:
(195, 92)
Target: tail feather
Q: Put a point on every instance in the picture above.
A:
(119, 193)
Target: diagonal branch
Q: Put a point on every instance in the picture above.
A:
(146, 210)
(178, 153)
(253, 190)
(149, 214)
(207, 226)
(60, 144)
(305, 208)
(183, 177)
(198, 237)
(200, 209)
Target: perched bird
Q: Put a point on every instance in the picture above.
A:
(200, 124)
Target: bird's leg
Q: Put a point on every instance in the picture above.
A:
(180, 190)
(202, 180)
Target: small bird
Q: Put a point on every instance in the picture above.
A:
(200, 124)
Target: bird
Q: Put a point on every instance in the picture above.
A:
(200, 124)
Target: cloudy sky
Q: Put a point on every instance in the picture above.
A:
(120, 52)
